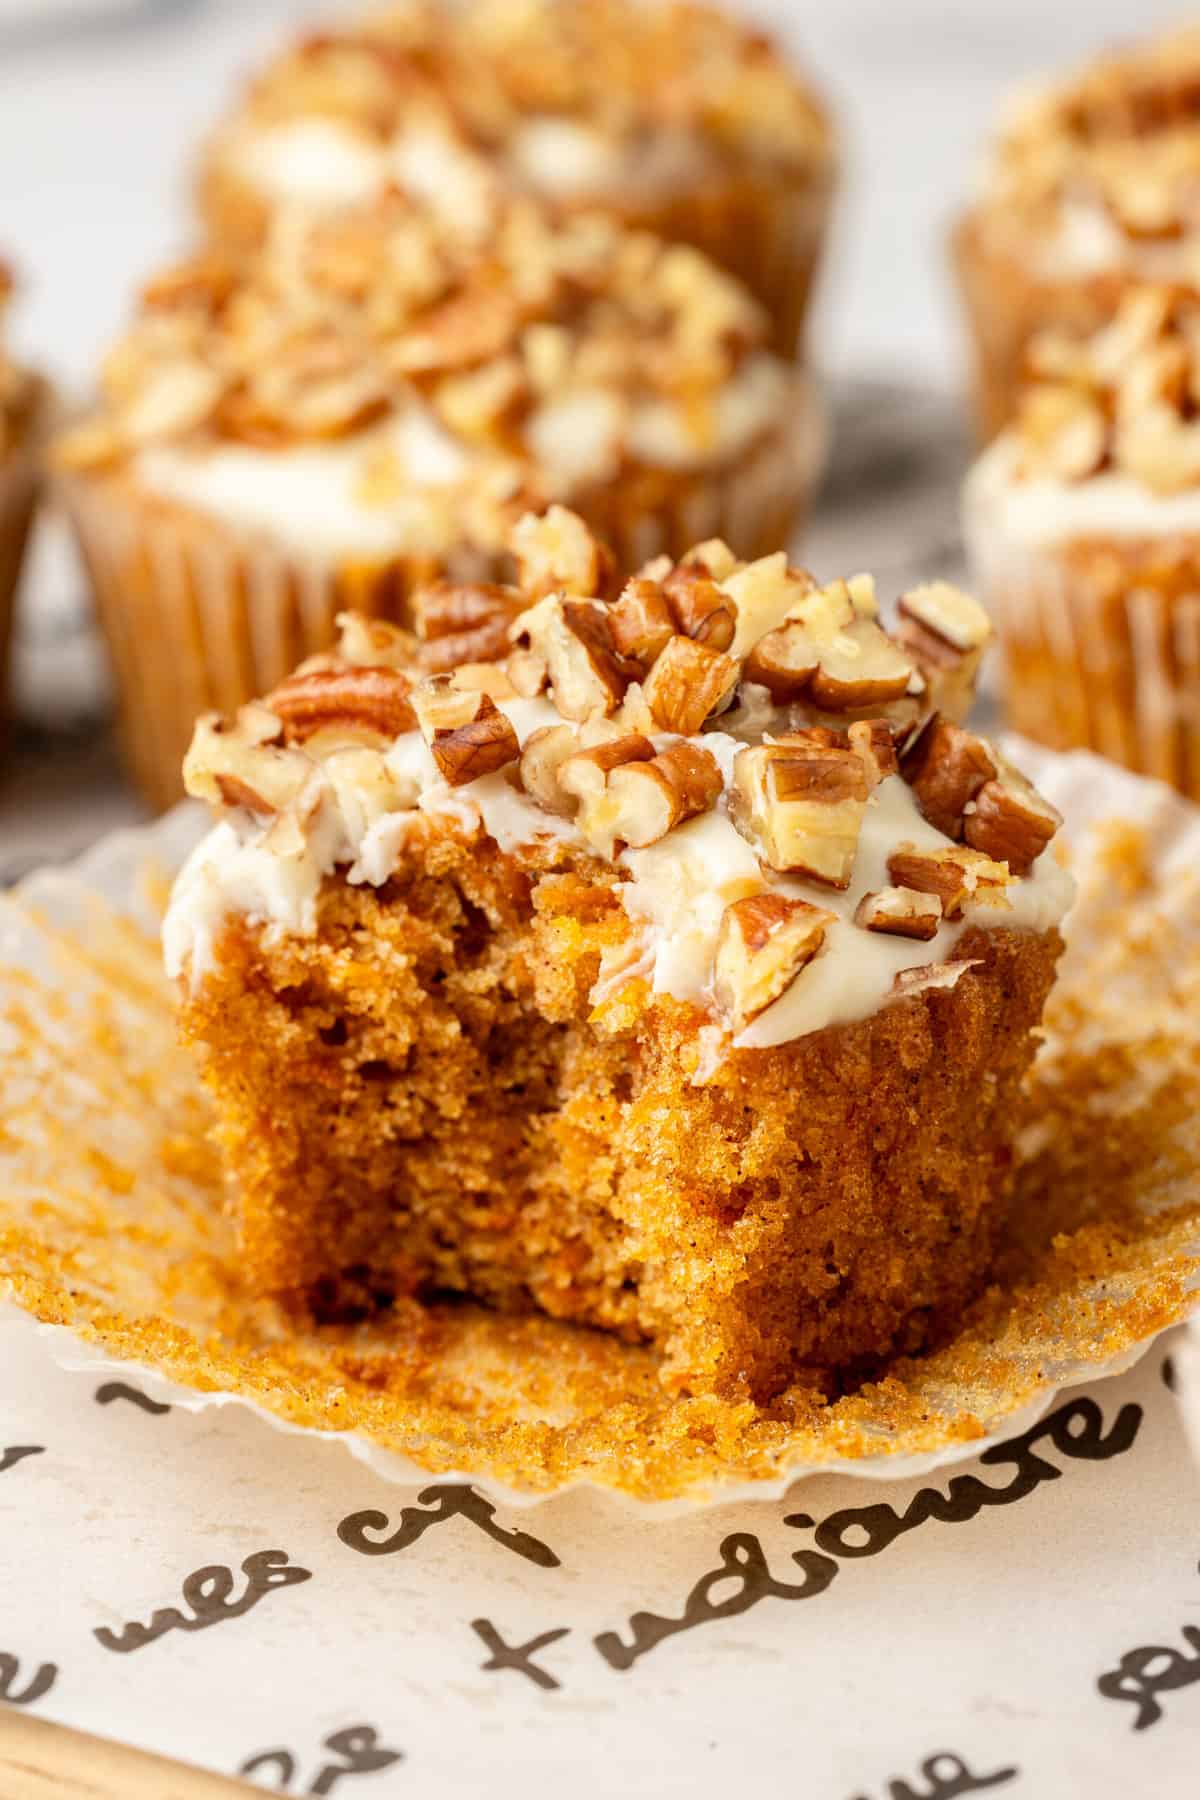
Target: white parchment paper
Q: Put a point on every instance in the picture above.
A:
(1025, 1622)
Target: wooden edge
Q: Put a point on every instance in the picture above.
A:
(42, 1761)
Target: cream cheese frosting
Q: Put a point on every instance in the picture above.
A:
(675, 891)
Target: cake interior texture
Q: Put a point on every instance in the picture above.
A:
(420, 1098)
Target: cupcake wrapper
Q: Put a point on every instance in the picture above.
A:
(19, 482)
(199, 619)
(1006, 305)
(1101, 649)
(113, 1232)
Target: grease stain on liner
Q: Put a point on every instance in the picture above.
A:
(105, 1145)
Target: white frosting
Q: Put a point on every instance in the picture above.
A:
(1006, 518)
(311, 497)
(315, 162)
(675, 893)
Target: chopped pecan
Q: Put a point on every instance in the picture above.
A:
(860, 667)
(557, 553)
(528, 673)
(900, 912)
(930, 975)
(1010, 821)
(801, 804)
(651, 798)
(784, 661)
(574, 639)
(449, 608)
(764, 942)
(544, 753)
(688, 682)
(956, 875)
(244, 763)
(946, 766)
(373, 643)
(585, 776)
(466, 731)
(701, 609)
(946, 632)
(764, 594)
(642, 622)
(372, 699)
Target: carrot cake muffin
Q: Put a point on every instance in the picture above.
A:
(674, 973)
(1093, 183)
(372, 400)
(1082, 521)
(673, 116)
(22, 407)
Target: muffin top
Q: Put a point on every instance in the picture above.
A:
(414, 366)
(1105, 167)
(567, 98)
(791, 822)
(1124, 401)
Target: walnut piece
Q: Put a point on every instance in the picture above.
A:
(764, 942)
(801, 804)
(688, 682)
(955, 874)
(900, 912)
(1010, 821)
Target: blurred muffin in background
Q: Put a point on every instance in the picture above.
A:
(368, 402)
(1092, 184)
(24, 401)
(1083, 524)
(673, 116)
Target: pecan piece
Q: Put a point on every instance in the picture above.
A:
(701, 610)
(900, 912)
(687, 683)
(764, 594)
(860, 667)
(466, 731)
(801, 804)
(446, 608)
(373, 643)
(1010, 821)
(764, 942)
(945, 767)
(545, 751)
(875, 742)
(956, 875)
(946, 633)
(641, 620)
(574, 639)
(585, 776)
(557, 553)
(372, 699)
(651, 798)
(244, 763)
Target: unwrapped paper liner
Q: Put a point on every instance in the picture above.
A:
(112, 1232)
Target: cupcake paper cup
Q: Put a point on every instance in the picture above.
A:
(198, 617)
(114, 1233)
(19, 483)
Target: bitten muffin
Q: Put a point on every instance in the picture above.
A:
(673, 116)
(23, 404)
(1093, 184)
(373, 400)
(1083, 525)
(674, 973)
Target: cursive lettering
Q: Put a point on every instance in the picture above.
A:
(947, 1775)
(17, 1453)
(39, 1684)
(207, 1592)
(1148, 1671)
(518, 1656)
(357, 1746)
(447, 1501)
(743, 1565)
(1075, 1430)
(108, 1391)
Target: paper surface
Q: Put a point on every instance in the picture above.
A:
(1028, 1623)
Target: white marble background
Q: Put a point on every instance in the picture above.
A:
(101, 101)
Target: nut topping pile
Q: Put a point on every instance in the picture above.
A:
(621, 717)
(1125, 399)
(339, 325)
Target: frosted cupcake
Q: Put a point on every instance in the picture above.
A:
(1092, 184)
(22, 407)
(368, 403)
(1083, 523)
(672, 116)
